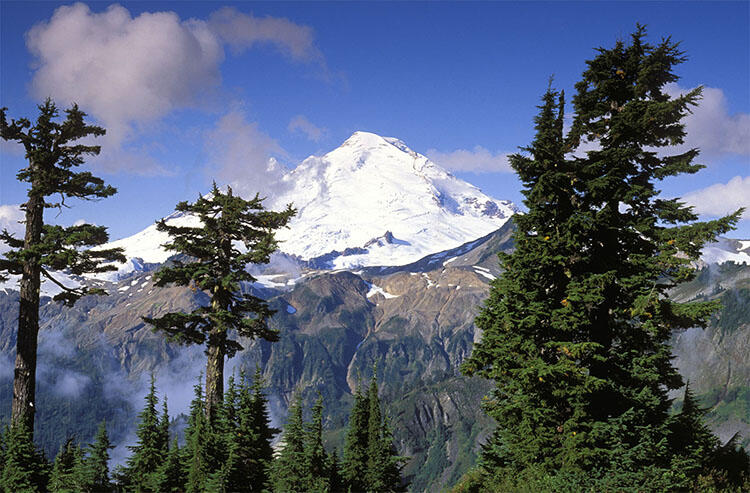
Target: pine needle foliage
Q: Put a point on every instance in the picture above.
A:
(53, 152)
(218, 267)
(575, 333)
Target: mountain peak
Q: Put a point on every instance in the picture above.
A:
(368, 141)
(372, 184)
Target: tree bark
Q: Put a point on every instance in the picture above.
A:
(24, 381)
(214, 375)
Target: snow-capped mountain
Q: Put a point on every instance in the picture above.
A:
(374, 201)
(371, 201)
(727, 250)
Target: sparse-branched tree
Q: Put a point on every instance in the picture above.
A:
(53, 152)
(576, 331)
(218, 267)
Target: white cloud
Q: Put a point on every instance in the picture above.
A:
(301, 124)
(10, 215)
(129, 72)
(722, 198)
(242, 31)
(123, 69)
(711, 128)
(478, 160)
(242, 156)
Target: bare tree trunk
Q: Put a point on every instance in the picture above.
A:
(214, 377)
(24, 382)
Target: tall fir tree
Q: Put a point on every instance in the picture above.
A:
(170, 477)
(370, 460)
(317, 476)
(251, 453)
(62, 479)
(288, 470)
(25, 468)
(576, 331)
(383, 463)
(354, 463)
(198, 459)
(96, 463)
(218, 268)
(53, 151)
(148, 452)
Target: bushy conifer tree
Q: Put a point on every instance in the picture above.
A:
(576, 331)
(53, 151)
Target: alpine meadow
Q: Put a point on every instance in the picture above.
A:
(366, 318)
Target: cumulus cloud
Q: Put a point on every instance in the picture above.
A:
(123, 69)
(478, 160)
(132, 71)
(711, 128)
(301, 124)
(242, 155)
(722, 198)
(242, 31)
(10, 215)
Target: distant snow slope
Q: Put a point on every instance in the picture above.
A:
(727, 250)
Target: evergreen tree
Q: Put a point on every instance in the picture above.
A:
(218, 268)
(354, 466)
(288, 470)
(335, 481)
(62, 479)
(170, 477)
(25, 468)
(52, 153)
(96, 464)
(163, 442)
(198, 461)
(316, 459)
(149, 450)
(250, 451)
(383, 463)
(576, 331)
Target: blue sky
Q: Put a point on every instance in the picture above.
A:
(195, 91)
